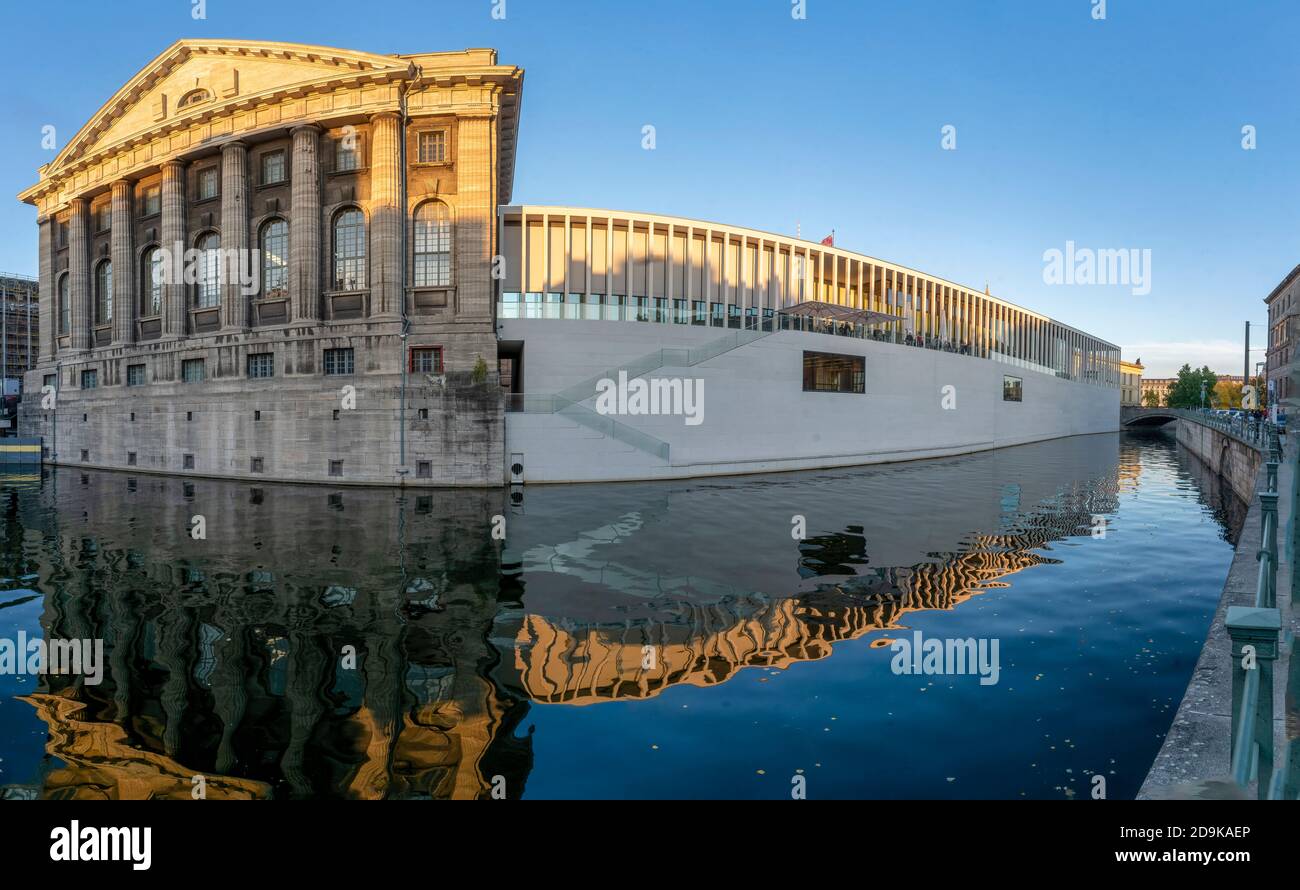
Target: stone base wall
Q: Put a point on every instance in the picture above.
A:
(1237, 462)
(296, 423)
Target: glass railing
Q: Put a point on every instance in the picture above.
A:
(728, 316)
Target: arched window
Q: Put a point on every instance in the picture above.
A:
(151, 284)
(432, 245)
(65, 306)
(193, 97)
(208, 293)
(349, 250)
(104, 292)
(275, 249)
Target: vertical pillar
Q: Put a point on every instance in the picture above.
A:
(175, 300)
(120, 249)
(47, 314)
(79, 276)
(476, 200)
(387, 215)
(234, 235)
(305, 226)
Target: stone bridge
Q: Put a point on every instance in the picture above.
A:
(1131, 416)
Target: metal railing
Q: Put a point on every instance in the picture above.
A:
(1257, 638)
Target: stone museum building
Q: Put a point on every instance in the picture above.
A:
(357, 194)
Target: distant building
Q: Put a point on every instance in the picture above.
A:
(19, 323)
(1282, 304)
(1158, 385)
(1130, 382)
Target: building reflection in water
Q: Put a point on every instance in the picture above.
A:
(228, 657)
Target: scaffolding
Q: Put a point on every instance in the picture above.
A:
(19, 323)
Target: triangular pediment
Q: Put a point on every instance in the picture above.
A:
(192, 78)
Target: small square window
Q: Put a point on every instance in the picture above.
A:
(261, 364)
(255, 465)
(422, 413)
(339, 361)
(192, 370)
(336, 468)
(273, 167)
(347, 154)
(49, 380)
(135, 375)
(207, 183)
(130, 458)
(433, 147)
(426, 360)
(187, 462)
(424, 469)
(85, 455)
(89, 379)
(151, 200)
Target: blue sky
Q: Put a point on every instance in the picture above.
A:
(1121, 134)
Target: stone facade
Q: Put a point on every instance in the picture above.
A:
(1283, 305)
(359, 190)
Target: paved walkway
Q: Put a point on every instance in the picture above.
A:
(1195, 759)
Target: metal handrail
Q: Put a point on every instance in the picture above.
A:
(1256, 632)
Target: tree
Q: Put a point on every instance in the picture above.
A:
(1151, 398)
(1227, 394)
(1187, 388)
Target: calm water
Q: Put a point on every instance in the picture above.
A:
(659, 640)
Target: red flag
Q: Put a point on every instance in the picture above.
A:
(829, 240)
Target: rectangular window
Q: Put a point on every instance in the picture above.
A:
(89, 379)
(338, 361)
(85, 455)
(433, 147)
(424, 469)
(346, 155)
(192, 370)
(187, 462)
(426, 360)
(130, 458)
(254, 465)
(830, 372)
(273, 167)
(151, 200)
(103, 218)
(63, 234)
(261, 364)
(336, 468)
(49, 380)
(207, 183)
(135, 375)
(1012, 388)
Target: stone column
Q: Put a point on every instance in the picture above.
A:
(123, 257)
(475, 211)
(234, 235)
(48, 313)
(79, 277)
(304, 227)
(386, 216)
(174, 292)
